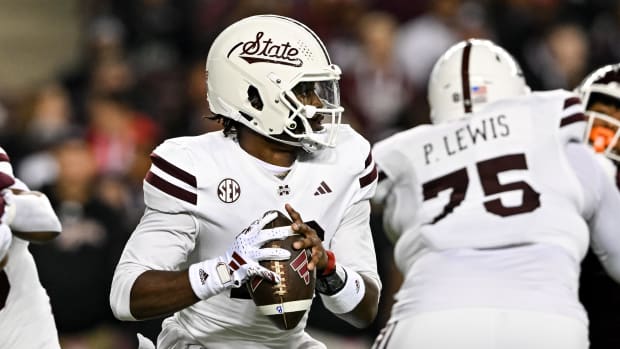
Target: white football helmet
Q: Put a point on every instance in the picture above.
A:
(602, 87)
(468, 76)
(253, 67)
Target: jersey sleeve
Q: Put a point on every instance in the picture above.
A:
(170, 184)
(353, 244)
(161, 241)
(367, 177)
(572, 119)
(601, 204)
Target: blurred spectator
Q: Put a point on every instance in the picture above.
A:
(423, 39)
(605, 32)
(51, 118)
(77, 267)
(117, 133)
(560, 58)
(374, 88)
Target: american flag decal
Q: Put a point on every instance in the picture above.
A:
(479, 94)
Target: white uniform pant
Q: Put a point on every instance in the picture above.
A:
(479, 328)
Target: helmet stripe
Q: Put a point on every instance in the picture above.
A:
(465, 77)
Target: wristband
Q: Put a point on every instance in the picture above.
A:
(331, 264)
(351, 294)
(209, 278)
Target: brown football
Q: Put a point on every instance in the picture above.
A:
(286, 303)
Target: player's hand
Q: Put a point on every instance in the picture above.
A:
(246, 251)
(311, 240)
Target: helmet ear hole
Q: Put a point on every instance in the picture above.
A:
(254, 98)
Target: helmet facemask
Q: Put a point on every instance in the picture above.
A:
(310, 100)
(600, 93)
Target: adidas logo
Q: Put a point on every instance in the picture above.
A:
(322, 189)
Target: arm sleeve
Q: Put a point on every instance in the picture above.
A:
(601, 207)
(353, 244)
(161, 241)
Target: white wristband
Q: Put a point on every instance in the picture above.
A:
(349, 297)
(209, 277)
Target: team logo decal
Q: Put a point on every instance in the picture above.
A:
(266, 50)
(284, 190)
(300, 265)
(228, 190)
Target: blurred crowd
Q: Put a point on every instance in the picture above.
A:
(84, 135)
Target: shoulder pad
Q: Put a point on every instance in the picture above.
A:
(170, 185)
(389, 152)
(355, 150)
(567, 113)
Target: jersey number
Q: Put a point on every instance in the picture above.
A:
(488, 171)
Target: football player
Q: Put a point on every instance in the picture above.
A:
(600, 93)
(26, 319)
(272, 84)
(491, 209)
(600, 295)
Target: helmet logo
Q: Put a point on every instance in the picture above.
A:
(266, 51)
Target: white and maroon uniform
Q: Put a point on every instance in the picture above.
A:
(492, 215)
(202, 191)
(26, 320)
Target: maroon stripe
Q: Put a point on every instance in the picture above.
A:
(327, 188)
(171, 189)
(321, 190)
(369, 178)
(577, 117)
(4, 157)
(465, 77)
(238, 258)
(368, 160)
(6, 180)
(5, 287)
(571, 101)
(233, 265)
(173, 170)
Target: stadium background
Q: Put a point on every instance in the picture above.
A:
(88, 88)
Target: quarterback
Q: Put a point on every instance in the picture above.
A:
(26, 320)
(492, 208)
(271, 83)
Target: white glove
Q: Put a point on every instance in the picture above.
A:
(212, 276)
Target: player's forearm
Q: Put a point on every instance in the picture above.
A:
(366, 311)
(157, 293)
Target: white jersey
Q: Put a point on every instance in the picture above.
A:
(488, 211)
(26, 320)
(202, 191)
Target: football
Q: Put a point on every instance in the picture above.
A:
(286, 303)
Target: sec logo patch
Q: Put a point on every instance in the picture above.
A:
(228, 190)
